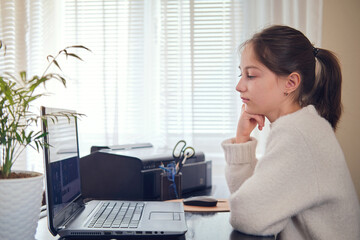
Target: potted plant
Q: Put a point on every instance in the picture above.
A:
(21, 191)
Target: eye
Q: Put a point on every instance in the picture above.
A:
(250, 77)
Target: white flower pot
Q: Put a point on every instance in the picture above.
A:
(20, 202)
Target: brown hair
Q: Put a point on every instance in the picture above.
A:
(284, 50)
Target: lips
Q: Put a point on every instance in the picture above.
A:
(245, 100)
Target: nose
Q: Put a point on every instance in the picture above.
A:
(241, 86)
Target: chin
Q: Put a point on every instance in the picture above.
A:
(252, 110)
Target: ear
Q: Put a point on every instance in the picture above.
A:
(292, 82)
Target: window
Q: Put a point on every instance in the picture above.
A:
(160, 71)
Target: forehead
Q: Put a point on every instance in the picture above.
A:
(249, 59)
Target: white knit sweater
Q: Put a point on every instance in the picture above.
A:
(300, 189)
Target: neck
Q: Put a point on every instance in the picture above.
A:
(282, 111)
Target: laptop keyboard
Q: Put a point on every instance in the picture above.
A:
(117, 215)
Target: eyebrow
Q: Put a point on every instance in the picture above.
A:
(248, 67)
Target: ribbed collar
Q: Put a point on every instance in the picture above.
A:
(308, 109)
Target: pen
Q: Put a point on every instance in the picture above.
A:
(181, 163)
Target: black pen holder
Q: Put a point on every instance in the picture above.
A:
(170, 186)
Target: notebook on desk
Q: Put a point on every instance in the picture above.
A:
(70, 216)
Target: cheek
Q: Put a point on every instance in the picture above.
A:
(260, 92)
(267, 88)
(264, 96)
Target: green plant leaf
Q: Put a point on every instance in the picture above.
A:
(16, 97)
(23, 76)
(3, 45)
(56, 63)
(74, 55)
(40, 135)
(50, 56)
(19, 138)
(64, 51)
(37, 145)
(79, 46)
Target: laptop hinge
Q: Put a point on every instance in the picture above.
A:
(72, 216)
(60, 228)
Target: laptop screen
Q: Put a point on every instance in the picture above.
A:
(62, 161)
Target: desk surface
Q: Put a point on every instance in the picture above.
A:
(201, 226)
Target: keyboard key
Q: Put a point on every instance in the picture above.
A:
(134, 223)
(117, 215)
(126, 220)
(136, 216)
(124, 225)
(97, 225)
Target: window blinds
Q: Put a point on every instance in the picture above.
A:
(111, 86)
(21, 30)
(198, 53)
(197, 70)
(160, 71)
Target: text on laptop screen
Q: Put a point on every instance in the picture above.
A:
(64, 162)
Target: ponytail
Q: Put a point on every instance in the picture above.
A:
(326, 95)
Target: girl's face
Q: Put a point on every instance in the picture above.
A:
(260, 89)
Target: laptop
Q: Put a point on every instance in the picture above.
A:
(69, 215)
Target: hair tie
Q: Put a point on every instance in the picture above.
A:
(315, 51)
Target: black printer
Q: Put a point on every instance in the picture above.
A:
(131, 172)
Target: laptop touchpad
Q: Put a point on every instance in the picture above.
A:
(161, 216)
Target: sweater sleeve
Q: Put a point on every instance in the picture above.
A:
(264, 199)
(241, 161)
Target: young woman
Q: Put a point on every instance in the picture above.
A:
(301, 187)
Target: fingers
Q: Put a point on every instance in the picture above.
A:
(259, 119)
(242, 109)
(247, 123)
